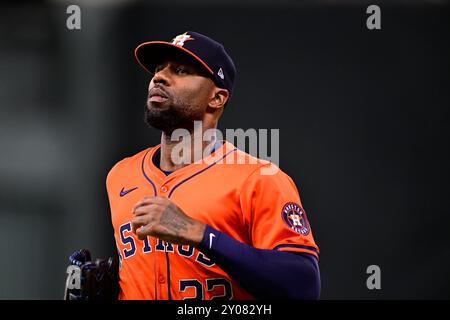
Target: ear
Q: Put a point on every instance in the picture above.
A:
(219, 98)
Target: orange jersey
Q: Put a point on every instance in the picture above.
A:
(229, 191)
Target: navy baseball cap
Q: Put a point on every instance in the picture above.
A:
(210, 54)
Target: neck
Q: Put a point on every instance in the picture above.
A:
(178, 151)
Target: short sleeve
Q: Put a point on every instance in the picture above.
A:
(274, 213)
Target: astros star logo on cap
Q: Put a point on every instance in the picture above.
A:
(180, 39)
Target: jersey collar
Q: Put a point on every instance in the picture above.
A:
(220, 151)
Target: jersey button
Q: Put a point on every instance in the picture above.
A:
(164, 189)
(161, 279)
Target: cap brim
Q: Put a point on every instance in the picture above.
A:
(149, 54)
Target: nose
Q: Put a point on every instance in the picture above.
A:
(161, 76)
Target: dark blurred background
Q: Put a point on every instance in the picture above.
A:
(363, 118)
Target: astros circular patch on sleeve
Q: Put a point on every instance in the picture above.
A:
(295, 218)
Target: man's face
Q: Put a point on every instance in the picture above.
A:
(178, 95)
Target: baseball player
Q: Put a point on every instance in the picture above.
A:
(216, 227)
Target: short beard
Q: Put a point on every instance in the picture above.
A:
(178, 115)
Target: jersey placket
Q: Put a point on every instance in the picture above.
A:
(164, 186)
(161, 263)
(162, 260)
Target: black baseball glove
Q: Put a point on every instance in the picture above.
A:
(87, 280)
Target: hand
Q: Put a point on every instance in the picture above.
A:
(161, 218)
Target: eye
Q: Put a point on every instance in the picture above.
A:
(181, 70)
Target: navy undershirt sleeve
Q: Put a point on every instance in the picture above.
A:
(264, 273)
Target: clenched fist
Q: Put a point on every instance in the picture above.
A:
(159, 217)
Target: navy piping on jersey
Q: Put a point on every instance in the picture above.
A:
(295, 246)
(203, 170)
(146, 177)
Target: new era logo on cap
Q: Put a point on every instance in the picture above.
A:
(220, 73)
